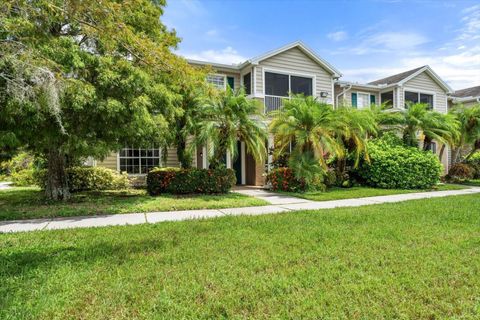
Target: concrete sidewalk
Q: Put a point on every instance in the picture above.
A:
(284, 204)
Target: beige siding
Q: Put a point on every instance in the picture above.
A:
(109, 162)
(423, 82)
(258, 80)
(294, 60)
(347, 97)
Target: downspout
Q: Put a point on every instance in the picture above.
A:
(342, 93)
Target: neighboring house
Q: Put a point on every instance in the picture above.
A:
(270, 78)
(467, 97)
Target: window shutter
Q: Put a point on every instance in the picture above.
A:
(354, 100)
(230, 82)
(372, 99)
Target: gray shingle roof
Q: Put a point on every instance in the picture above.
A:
(468, 92)
(396, 77)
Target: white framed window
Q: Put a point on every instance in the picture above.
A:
(138, 161)
(363, 100)
(217, 80)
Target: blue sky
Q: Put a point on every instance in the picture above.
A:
(365, 40)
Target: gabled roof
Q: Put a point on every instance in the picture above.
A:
(300, 45)
(472, 92)
(297, 44)
(401, 78)
(396, 78)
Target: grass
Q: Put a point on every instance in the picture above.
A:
(474, 183)
(29, 203)
(411, 260)
(362, 192)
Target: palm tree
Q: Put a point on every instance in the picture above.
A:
(354, 126)
(469, 130)
(434, 126)
(311, 127)
(228, 118)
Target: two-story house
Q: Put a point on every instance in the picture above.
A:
(270, 78)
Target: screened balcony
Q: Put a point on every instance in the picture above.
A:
(279, 85)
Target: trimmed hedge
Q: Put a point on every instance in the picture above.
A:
(283, 179)
(395, 166)
(90, 179)
(187, 181)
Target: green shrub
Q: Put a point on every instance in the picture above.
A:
(187, 181)
(90, 179)
(283, 179)
(474, 162)
(460, 172)
(23, 178)
(394, 166)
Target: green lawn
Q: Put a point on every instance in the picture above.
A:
(475, 183)
(411, 260)
(362, 192)
(28, 203)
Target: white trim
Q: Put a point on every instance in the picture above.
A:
(228, 160)
(435, 77)
(243, 163)
(332, 70)
(333, 92)
(204, 157)
(361, 92)
(270, 156)
(219, 75)
(213, 64)
(118, 160)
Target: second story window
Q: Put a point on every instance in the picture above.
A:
(418, 97)
(217, 80)
(277, 84)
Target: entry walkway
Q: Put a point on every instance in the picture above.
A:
(280, 203)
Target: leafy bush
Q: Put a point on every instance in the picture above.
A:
(474, 162)
(396, 166)
(90, 179)
(193, 180)
(24, 177)
(283, 179)
(20, 169)
(460, 172)
(21, 161)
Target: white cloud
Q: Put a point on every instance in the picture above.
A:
(389, 42)
(337, 36)
(212, 33)
(471, 24)
(227, 55)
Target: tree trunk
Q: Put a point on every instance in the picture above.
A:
(57, 182)
(182, 154)
(442, 150)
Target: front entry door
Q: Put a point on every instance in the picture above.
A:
(237, 164)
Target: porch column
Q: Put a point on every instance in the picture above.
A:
(270, 145)
(204, 157)
(229, 160)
